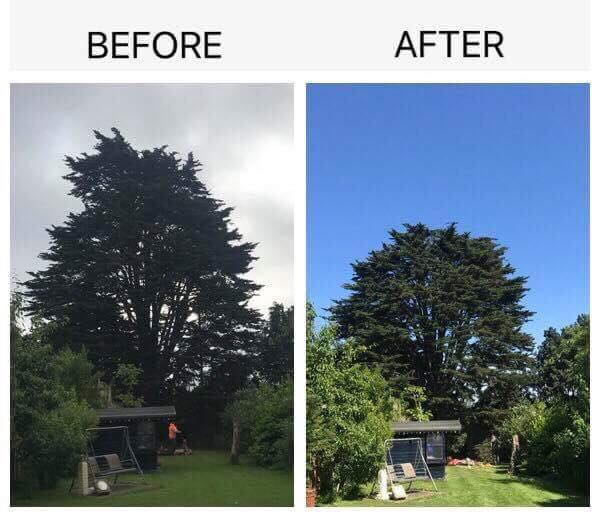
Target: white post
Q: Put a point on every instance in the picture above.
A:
(83, 479)
(383, 491)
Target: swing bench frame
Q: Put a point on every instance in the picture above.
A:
(408, 465)
(113, 464)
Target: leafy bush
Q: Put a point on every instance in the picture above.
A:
(48, 416)
(266, 413)
(554, 432)
(408, 405)
(272, 433)
(528, 420)
(126, 378)
(51, 395)
(456, 444)
(58, 439)
(483, 452)
(348, 416)
(553, 440)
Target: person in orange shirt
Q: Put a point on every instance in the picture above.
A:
(173, 431)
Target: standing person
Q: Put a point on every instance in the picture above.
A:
(173, 431)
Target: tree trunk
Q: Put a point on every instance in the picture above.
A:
(235, 442)
(513, 455)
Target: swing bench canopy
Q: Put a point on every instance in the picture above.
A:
(135, 414)
(431, 426)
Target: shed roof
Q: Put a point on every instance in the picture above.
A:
(426, 427)
(120, 414)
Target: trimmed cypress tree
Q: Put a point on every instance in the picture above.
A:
(150, 271)
(442, 310)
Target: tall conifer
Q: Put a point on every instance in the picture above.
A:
(442, 309)
(150, 272)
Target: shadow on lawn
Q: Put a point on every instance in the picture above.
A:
(569, 496)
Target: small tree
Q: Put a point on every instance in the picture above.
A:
(348, 415)
(50, 407)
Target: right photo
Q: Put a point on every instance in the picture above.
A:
(448, 311)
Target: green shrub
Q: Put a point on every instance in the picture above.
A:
(48, 418)
(456, 444)
(483, 451)
(554, 439)
(554, 433)
(348, 416)
(50, 396)
(272, 428)
(266, 415)
(126, 378)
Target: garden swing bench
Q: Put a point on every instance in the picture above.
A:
(405, 462)
(103, 464)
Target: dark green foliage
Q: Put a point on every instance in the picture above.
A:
(455, 444)
(272, 430)
(50, 407)
(349, 407)
(563, 365)
(408, 405)
(555, 432)
(276, 356)
(266, 415)
(126, 378)
(564, 383)
(149, 273)
(442, 310)
(483, 452)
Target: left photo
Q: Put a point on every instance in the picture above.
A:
(151, 320)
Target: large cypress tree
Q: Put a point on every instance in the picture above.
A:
(150, 271)
(442, 309)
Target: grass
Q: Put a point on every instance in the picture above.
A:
(482, 486)
(203, 479)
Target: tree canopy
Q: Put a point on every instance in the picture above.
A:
(276, 349)
(150, 272)
(442, 309)
(563, 364)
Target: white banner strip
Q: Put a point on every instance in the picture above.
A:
(304, 35)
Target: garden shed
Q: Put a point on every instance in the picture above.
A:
(143, 426)
(433, 438)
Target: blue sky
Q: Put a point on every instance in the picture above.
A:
(506, 161)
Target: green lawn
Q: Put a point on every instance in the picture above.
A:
(203, 479)
(484, 487)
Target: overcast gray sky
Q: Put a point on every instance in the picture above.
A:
(243, 135)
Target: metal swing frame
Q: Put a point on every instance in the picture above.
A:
(395, 463)
(107, 465)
